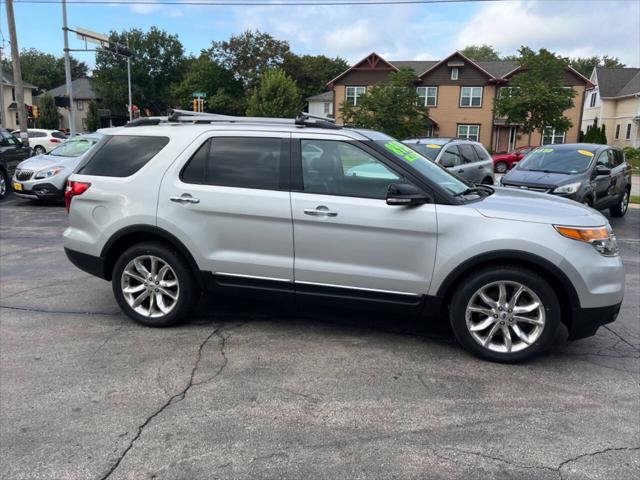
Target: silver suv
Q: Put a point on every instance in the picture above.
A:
(167, 209)
(467, 159)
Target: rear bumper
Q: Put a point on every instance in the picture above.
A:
(586, 321)
(87, 263)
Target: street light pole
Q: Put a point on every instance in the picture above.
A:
(129, 82)
(67, 71)
(17, 73)
(2, 121)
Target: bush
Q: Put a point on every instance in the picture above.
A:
(633, 157)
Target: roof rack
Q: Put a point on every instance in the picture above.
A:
(303, 119)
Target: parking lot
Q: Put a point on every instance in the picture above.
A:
(248, 390)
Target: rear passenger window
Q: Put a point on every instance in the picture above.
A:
(237, 162)
(481, 153)
(618, 158)
(59, 135)
(468, 153)
(122, 155)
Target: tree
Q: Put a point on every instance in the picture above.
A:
(391, 107)
(49, 117)
(93, 117)
(276, 96)
(537, 98)
(585, 65)
(225, 94)
(158, 61)
(44, 70)
(249, 54)
(312, 72)
(481, 53)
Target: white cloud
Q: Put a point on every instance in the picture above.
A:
(150, 7)
(567, 28)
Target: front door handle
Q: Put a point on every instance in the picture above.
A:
(320, 211)
(461, 170)
(185, 198)
(480, 167)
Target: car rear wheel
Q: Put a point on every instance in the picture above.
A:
(505, 314)
(3, 184)
(154, 285)
(621, 208)
(501, 167)
(39, 150)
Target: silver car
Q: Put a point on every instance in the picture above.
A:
(299, 210)
(467, 159)
(44, 177)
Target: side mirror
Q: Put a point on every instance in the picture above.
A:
(602, 171)
(405, 194)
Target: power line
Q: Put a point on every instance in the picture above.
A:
(265, 3)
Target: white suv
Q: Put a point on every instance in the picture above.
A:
(166, 209)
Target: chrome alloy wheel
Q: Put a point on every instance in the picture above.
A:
(505, 316)
(3, 184)
(150, 286)
(624, 203)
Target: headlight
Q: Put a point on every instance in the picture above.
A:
(50, 172)
(601, 238)
(568, 189)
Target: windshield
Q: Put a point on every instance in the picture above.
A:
(429, 150)
(558, 159)
(74, 147)
(422, 164)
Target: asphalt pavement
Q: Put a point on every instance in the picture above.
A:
(249, 390)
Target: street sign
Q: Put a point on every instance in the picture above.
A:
(93, 37)
(199, 95)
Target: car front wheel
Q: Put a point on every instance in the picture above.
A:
(505, 314)
(39, 150)
(154, 285)
(501, 167)
(3, 184)
(620, 208)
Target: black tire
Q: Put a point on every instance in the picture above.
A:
(187, 286)
(587, 201)
(501, 167)
(4, 184)
(504, 273)
(487, 181)
(39, 150)
(620, 209)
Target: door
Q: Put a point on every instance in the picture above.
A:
(602, 184)
(12, 151)
(451, 159)
(473, 169)
(227, 200)
(345, 234)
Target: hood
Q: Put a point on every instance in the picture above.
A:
(44, 161)
(539, 179)
(526, 206)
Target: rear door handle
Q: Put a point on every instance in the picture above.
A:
(320, 211)
(480, 167)
(186, 198)
(461, 170)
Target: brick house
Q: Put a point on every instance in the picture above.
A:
(459, 93)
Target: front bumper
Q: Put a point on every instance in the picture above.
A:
(43, 190)
(586, 321)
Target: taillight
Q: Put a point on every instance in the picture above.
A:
(74, 189)
(55, 140)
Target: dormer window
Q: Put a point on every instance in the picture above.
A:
(454, 73)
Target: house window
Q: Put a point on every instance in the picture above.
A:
(617, 131)
(552, 136)
(469, 132)
(628, 136)
(454, 73)
(80, 105)
(592, 101)
(471, 96)
(354, 93)
(427, 96)
(327, 108)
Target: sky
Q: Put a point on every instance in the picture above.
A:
(397, 32)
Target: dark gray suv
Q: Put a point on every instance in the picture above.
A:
(597, 175)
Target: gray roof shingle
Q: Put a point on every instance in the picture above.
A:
(7, 79)
(321, 97)
(82, 90)
(417, 66)
(618, 82)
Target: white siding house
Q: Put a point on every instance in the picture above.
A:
(321, 104)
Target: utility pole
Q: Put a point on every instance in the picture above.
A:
(2, 121)
(67, 71)
(129, 85)
(17, 73)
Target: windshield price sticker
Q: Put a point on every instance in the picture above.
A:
(433, 145)
(402, 151)
(586, 153)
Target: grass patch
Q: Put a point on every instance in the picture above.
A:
(634, 199)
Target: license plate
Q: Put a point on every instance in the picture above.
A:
(17, 186)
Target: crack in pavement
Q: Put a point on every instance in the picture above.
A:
(178, 396)
(592, 454)
(63, 312)
(621, 338)
(47, 285)
(113, 334)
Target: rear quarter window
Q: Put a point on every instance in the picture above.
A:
(54, 135)
(122, 155)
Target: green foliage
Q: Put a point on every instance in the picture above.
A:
(390, 107)
(595, 134)
(481, 53)
(93, 117)
(537, 99)
(44, 70)
(249, 54)
(312, 72)
(158, 60)
(276, 96)
(603, 135)
(49, 117)
(633, 156)
(585, 65)
(225, 94)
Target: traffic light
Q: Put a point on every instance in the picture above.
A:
(35, 111)
(195, 104)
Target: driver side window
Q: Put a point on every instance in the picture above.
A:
(451, 157)
(331, 167)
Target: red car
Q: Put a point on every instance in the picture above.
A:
(505, 161)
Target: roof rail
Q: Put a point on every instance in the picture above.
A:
(302, 119)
